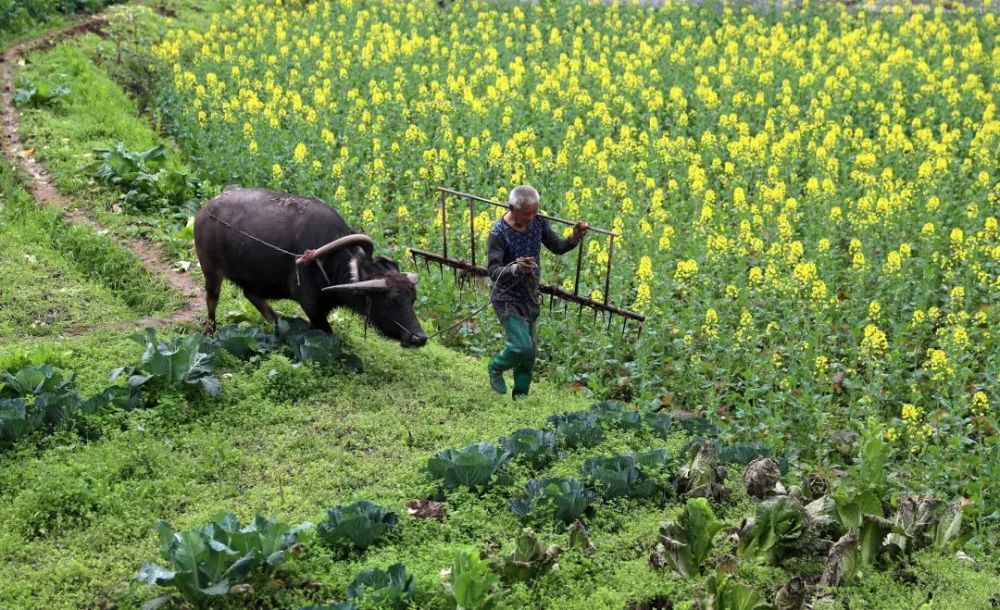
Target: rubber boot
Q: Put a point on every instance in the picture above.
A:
(519, 346)
(496, 379)
(523, 371)
(518, 353)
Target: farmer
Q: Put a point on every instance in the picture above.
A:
(514, 247)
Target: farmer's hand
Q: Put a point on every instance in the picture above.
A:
(580, 229)
(526, 265)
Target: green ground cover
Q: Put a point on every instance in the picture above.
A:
(55, 276)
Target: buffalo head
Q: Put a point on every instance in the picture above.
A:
(385, 296)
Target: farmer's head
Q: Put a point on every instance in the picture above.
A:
(523, 204)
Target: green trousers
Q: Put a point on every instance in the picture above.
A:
(518, 352)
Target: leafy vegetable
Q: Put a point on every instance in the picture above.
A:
(763, 478)
(470, 582)
(577, 429)
(743, 453)
(852, 506)
(725, 593)
(579, 539)
(33, 380)
(697, 426)
(311, 345)
(949, 528)
(147, 180)
(378, 588)
(774, 532)
(37, 95)
(244, 342)
(206, 561)
(659, 423)
(913, 522)
(537, 447)
(872, 461)
(822, 513)
(637, 476)
(612, 477)
(684, 544)
(874, 529)
(472, 466)
(358, 525)
(843, 562)
(702, 475)
(565, 499)
(186, 360)
(530, 559)
(614, 415)
(38, 398)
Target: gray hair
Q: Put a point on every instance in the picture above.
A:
(521, 196)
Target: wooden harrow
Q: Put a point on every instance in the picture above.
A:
(471, 268)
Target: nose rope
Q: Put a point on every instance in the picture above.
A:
(413, 334)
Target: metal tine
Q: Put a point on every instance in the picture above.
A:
(624, 324)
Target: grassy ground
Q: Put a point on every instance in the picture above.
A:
(56, 277)
(77, 513)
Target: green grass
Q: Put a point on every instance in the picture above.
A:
(55, 276)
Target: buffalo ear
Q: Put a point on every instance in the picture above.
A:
(387, 262)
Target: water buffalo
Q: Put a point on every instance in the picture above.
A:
(279, 246)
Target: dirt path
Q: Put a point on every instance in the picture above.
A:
(39, 183)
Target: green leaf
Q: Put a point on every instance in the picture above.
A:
(577, 429)
(615, 415)
(358, 525)
(379, 588)
(472, 467)
(565, 499)
(688, 540)
(873, 532)
(470, 582)
(537, 447)
(949, 527)
(725, 593)
(775, 531)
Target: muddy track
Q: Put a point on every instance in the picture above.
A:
(38, 183)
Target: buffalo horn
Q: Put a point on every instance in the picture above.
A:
(355, 239)
(379, 284)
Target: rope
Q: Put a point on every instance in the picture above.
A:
(253, 237)
(487, 304)
(300, 259)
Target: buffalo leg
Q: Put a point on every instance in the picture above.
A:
(213, 286)
(317, 315)
(318, 320)
(262, 306)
